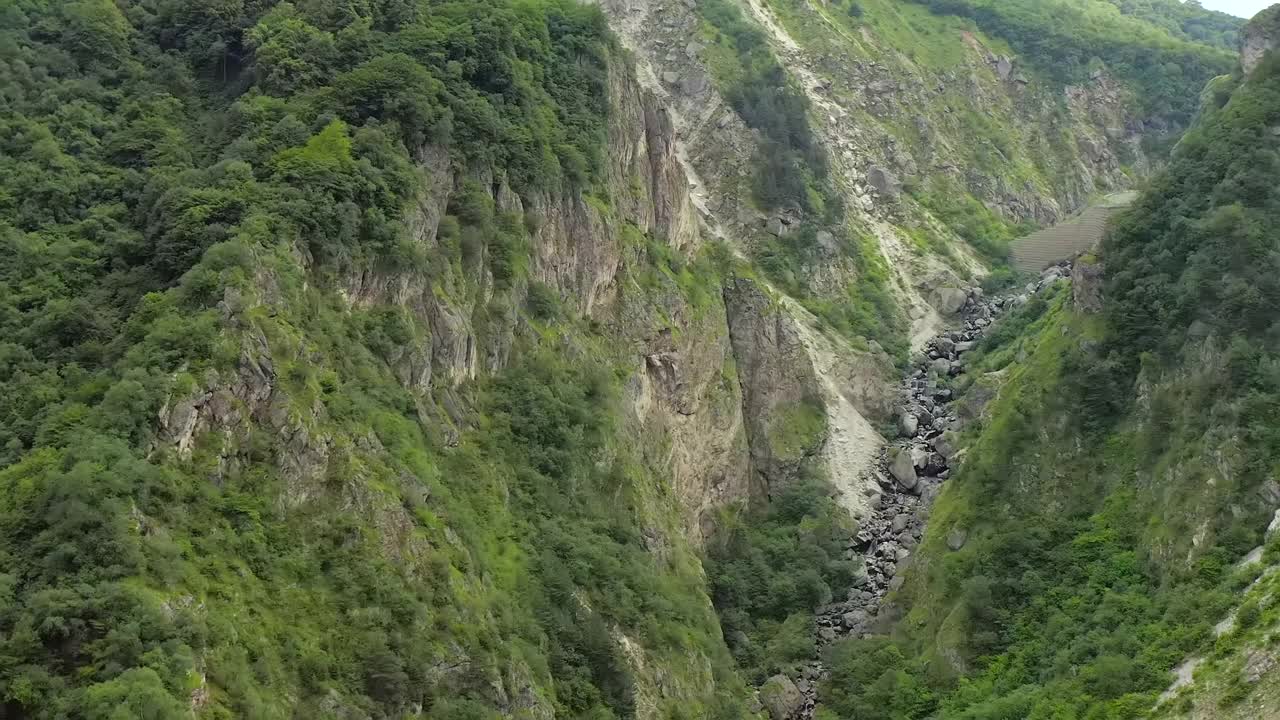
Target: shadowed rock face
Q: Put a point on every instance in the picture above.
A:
(776, 374)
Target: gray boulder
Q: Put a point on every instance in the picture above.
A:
(900, 522)
(950, 300)
(781, 698)
(944, 446)
(884, 181)
(957, 537)
(1004, 67)
(903, 469)
(908, 424)
(854, 618)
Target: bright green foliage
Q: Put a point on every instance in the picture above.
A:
(1065, 39)
(984, 230)
(770, 569)
(871, 679)
(1187, 20)
(866, 310)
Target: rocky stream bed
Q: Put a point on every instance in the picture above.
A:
(910, 474)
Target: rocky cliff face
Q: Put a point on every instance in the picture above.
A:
(686, 390)
(888, 116)
(903, 133)
(1260, 37)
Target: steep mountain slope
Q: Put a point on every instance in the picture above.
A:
(1123, 469)
(354, 368)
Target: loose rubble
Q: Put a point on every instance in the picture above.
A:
(910, 475)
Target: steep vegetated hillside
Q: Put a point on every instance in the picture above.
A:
(359, 361)
(1099, 528)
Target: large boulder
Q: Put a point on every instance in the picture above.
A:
(908, 424)
(884, 181)
(950, 300)
(903, 468)
(781, 698)
(957, 537)
(1004, 67)
(1086, 285)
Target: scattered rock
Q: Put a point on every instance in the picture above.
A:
(1259, 663)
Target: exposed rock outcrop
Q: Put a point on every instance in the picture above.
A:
(1259, 37)
(1086, 285)
(777, 379)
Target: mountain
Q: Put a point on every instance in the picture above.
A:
(532, 359)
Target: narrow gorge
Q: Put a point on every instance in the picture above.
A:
(638, 360)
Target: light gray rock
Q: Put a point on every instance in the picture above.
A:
(919, 457)
(1260, 662)
(1260, 36)
(854, 618)
(944, 446)
(900, 522)
(957, 537)
(781, 697)
(963, 347)
(908, 424)
(884, 181)
(942, 366)
(1004, 67)
(950, 300)
(827, 241)
(903, 469)
(775, 227)
(1270, 492)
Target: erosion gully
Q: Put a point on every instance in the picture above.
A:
(910, 474)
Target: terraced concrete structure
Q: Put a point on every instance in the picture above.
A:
(1067, 239)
